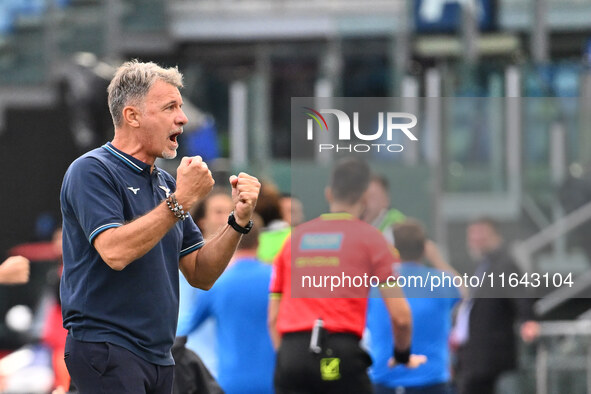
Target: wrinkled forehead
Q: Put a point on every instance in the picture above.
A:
(161, 91)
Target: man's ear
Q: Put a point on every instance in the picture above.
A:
(132, 116)
(328, 194)
(365, 197)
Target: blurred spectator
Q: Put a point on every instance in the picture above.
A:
(484, 329)
(15, 270)
(54, 334)
(268, 206)
(41, 325)
(210, 214)
(377, 211)
(379, 214)
(431, 316)
(275, 230)
(292, 211)
(238, 302)
(47, 250)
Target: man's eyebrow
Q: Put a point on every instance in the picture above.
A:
(172, 102)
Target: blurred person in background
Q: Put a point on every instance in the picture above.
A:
(292, 210)
(484, 330)
(39, 321)
(379, 214)
(54, 335)
(275, 229)
(238, 302)
(15, 270)
(377, 211)
(432, 320)
(126, 234)
(210, 215)
(318, 337)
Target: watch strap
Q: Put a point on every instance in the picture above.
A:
(237, 227)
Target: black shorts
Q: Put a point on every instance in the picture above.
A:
(101, 368)
(341, 367)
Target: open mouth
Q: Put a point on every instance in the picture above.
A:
(173, 137)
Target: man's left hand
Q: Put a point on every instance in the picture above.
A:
(245, 192)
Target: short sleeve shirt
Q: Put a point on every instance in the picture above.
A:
(137, 307)
(326, 270)
(431, 316)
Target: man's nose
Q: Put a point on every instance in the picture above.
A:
(182, 118)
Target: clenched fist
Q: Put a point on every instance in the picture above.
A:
(15, 270)
(193, 181)
(245, 192)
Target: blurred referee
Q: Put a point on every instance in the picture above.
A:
(318, 338)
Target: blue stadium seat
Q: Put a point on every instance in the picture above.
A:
(10, 11)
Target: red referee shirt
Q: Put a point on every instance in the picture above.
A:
(326, 270)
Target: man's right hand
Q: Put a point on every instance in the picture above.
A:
(15, 270)
(193, 181)
(415, 361)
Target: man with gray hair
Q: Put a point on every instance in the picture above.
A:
(126, 233)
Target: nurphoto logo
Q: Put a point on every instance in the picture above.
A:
(390, 122)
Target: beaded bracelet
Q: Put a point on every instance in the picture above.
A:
(177, 209)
